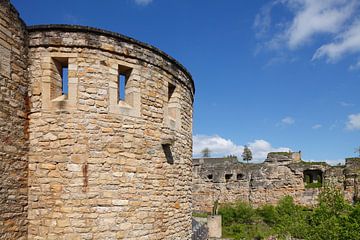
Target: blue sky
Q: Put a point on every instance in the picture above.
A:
(275, 75)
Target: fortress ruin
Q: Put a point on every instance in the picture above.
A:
(281, 174)
(96, 135)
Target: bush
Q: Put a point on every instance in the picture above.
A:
(333, 218)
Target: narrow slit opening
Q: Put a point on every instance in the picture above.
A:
(65, 79)
(121, 87)
(168, 154)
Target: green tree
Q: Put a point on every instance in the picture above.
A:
(247, 154)
(206, 152)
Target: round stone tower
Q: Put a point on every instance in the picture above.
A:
(110, 137)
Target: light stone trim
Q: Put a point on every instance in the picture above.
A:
(131, 106)
(64, 101)
(172, 110)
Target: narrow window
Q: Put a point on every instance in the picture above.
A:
(171, 100)
(121, 87)
(65, 79)
(123, 77)
(60, 76)
(171, 90)
(168, 153)
(210, 176)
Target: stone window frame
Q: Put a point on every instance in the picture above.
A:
(63, 101)
(131, 105)
(172, 108)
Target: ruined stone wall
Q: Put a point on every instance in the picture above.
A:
(13, 124)
(97, 166)
(226, 180)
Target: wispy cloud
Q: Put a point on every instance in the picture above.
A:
(316, 126)
(287, 121)
(346, 104)
(220, 146)
(355, 66)
(309, 19)
(143, 2)
(346, 42)
(353, 122)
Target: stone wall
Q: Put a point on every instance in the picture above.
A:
(227, 180)
(13, 124)
(97, 166)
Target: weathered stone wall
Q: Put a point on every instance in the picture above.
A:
(13, 124)
(97, 167)
(226, 180)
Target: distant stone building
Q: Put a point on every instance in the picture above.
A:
(281, 174)
(96, 135)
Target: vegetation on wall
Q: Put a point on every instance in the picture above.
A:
(332, 218)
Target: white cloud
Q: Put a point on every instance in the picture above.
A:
(221, 147)
(329, 161)
(314, 17)
(218, 146)
(316, 126)
(353, 122)
(346, 42)
(260, 149)
(310, 18)
(143, 2)
(355, 66)
(287, 121)
(346, 104)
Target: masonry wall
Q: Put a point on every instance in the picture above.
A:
(97, 166)
(268, 182)
(13, 124)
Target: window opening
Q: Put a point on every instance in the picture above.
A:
(168, 153)
(65, 79)
(210, 176)
(228, 177)
(239, 176)
(171, 90)
(121, 86)
(60, 77)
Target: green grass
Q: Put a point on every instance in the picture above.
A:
(200, 214)
(313, 185)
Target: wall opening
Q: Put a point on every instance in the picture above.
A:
(171, 99)
(168, 154)
(65, 79)
(210, 176)
(239, 176)
(228, 177)
(313, 178)
(59, 77)
(123, 77)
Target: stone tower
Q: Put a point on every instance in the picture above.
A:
(108, 122)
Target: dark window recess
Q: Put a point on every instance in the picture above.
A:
(171, 90)
(313, 176)
(65, 79)
(168, 153)
(239, 176)
(228, 177)
(210, 176)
